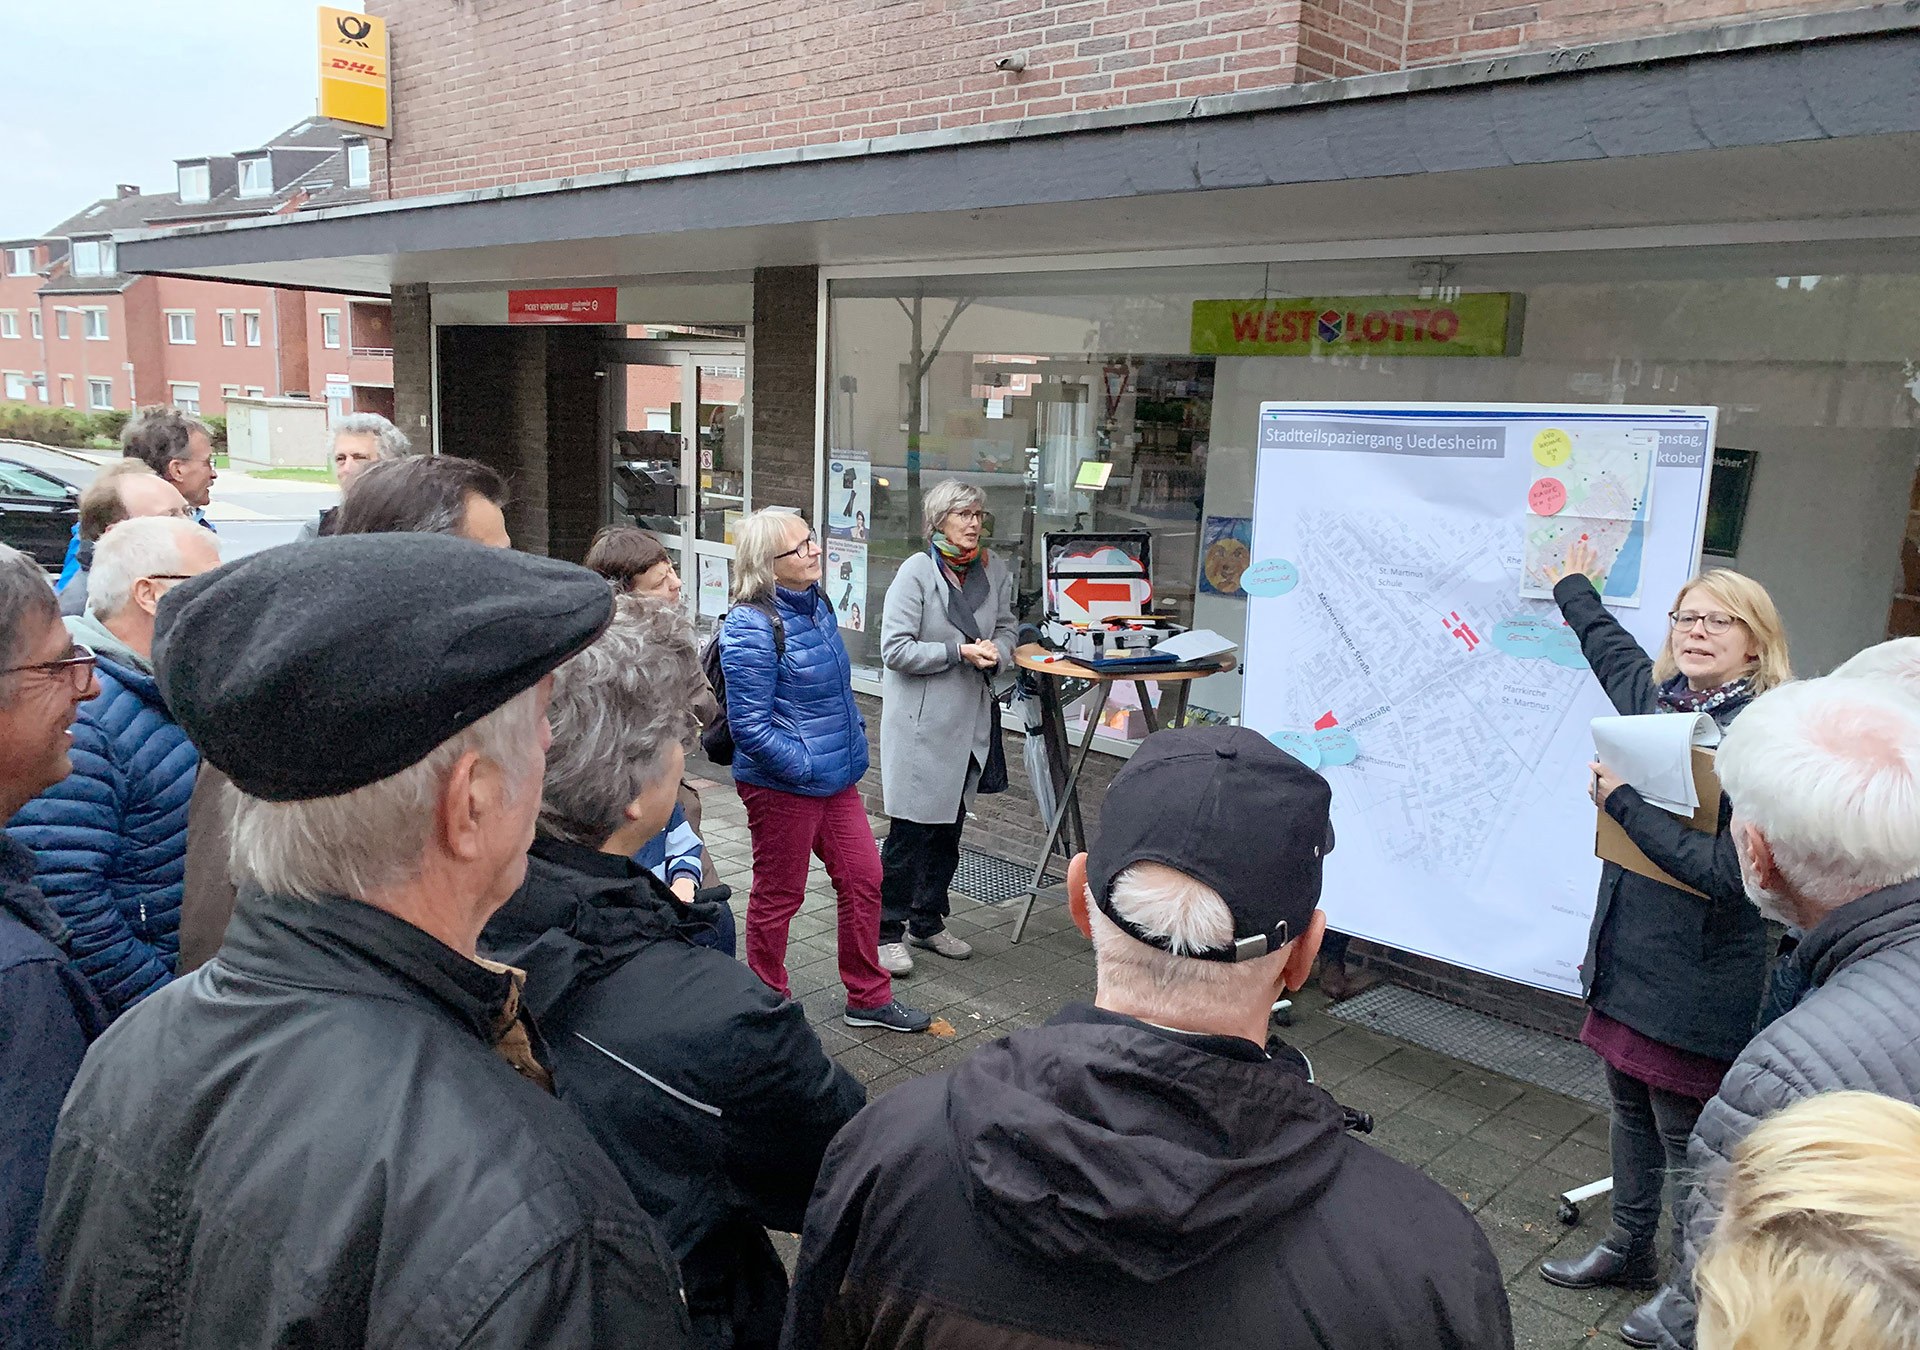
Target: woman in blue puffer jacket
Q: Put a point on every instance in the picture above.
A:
(800, 750)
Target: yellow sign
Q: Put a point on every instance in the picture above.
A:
(1481, 324)
(353, 68)
(1551, 447)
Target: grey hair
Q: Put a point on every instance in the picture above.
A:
(1168, 903)
(389, 442)
(147, 547)
(950, 495)
(375, 837)
(1897, 659)
(616, 709)
(755, 542)
(25, 595)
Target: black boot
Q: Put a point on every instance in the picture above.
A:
(1606, 1265)
(1642, 1326)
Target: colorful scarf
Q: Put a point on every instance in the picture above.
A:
(959, 559)
(1675, 696)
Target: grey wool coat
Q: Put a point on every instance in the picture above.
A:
(935, 708)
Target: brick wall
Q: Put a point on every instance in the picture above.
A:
(573, 440)
(518, 92)
(786, 321)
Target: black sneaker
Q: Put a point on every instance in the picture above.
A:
(894, 1016)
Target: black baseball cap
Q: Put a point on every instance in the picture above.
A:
(1227, 807)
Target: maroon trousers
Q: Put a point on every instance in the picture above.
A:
(789, 831)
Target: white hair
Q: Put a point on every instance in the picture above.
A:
(1897, 660)
(145, 547)
(389, 442)
(1191, 915)
(756, 541)
(950, 495)
(375, 837)
(1828, 772)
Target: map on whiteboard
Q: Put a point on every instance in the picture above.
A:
(1401, 638)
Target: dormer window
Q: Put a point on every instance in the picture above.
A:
(194, 183)
(359, 164)
(93, 258)
(256, 176)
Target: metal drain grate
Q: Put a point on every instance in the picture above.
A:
(1562, 1066)
(990, 880)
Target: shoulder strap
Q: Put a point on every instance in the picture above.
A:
(768, 608)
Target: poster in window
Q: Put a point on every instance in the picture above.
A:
(845, 581)
(714, 583)
(1226, 547)
(849, 495)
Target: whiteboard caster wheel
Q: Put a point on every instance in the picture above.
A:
(1568, 1213)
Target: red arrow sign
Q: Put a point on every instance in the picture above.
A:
(1084, 592)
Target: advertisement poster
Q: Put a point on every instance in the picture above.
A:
(714, 583)
(1226, 547)
(845, 582)
(849, 497)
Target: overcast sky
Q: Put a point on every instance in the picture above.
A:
(101, 92)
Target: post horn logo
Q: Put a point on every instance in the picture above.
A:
(353, 28)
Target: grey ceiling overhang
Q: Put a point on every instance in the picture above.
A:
(1572, 121)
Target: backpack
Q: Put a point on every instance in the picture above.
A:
(716, 739)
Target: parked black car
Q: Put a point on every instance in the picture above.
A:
(37, 512)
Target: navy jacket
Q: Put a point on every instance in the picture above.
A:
(795, 725)
(111, 839)
(48, 1014)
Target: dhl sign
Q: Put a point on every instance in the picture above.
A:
(1479, 324)
(353, 68)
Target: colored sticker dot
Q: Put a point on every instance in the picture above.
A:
(1270, 576)
(1299, 744)
(1552, 447)
(1337, 746)
(1546, 497)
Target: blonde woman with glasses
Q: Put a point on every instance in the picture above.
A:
(1672, 978)
(800, 749)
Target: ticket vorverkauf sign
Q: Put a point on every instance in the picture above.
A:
(1483, 323)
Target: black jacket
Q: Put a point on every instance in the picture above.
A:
(1683, 970)
(315, 1140)
(1100, 1182)
(708, 1090)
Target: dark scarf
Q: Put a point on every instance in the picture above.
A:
(1675, 696)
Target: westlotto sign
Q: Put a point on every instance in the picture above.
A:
(1485, 324)
(574, 304)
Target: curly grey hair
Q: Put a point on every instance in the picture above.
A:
(389, 441)
(616, 709)
(950, 495)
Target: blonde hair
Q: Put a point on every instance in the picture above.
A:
(1818, 1247)
(756, 542)
(1747, 600)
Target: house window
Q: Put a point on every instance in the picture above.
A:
(100, 395)
(66, 390)
(93, 257)
(16, 383)
(229, 391)
(93, 321)
(229, 335)
(256, 391)
(256, 176)
(180, 327)
(359, 164)
(33, 322)
(186, 397)
(194, 183)
(20, 262)
(40, 383)
(9, 323)
(330, 328)
(251, 320)
(60, 324)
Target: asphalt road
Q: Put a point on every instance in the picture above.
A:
(253, 514)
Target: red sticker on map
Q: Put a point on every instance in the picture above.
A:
(1547, 496)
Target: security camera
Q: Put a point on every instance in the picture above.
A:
(1013, 63)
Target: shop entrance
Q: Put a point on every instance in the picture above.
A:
(675, 455)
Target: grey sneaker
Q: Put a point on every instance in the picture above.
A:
(944, 944)
(895, 959)
(894, 1016)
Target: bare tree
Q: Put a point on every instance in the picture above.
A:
(921, 357)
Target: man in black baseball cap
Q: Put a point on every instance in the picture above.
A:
(345, 1120)
(1145, 1171)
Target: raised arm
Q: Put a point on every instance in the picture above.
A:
(1623, 668)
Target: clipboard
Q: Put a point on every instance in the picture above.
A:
(1611, 844)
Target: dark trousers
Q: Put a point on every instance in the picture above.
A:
(1649, 1140)
(917, 865)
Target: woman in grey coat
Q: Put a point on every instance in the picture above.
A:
(948, 628)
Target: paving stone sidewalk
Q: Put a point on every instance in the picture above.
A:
(1505, 1148)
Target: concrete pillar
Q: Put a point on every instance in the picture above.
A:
(784, 384)
(413, 364)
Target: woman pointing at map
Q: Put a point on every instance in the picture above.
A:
(1672, 979)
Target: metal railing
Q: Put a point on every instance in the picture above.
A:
(378, 353)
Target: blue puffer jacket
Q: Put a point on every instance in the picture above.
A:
(111, 839)
(795, 726)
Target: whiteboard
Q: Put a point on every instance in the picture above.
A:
(1398, 639)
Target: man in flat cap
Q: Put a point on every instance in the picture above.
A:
(341, 1131)
(1146, 1172)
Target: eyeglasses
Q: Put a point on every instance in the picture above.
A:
(1685, 619)
(804, 548)
(971, 517)
(171, 576)
(78, 665)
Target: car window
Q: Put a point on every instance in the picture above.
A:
(20, 481)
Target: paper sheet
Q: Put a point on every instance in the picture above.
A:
(1196, 645)
(1653, 753)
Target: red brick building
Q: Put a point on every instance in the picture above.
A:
(971, 239)
(77, 332)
